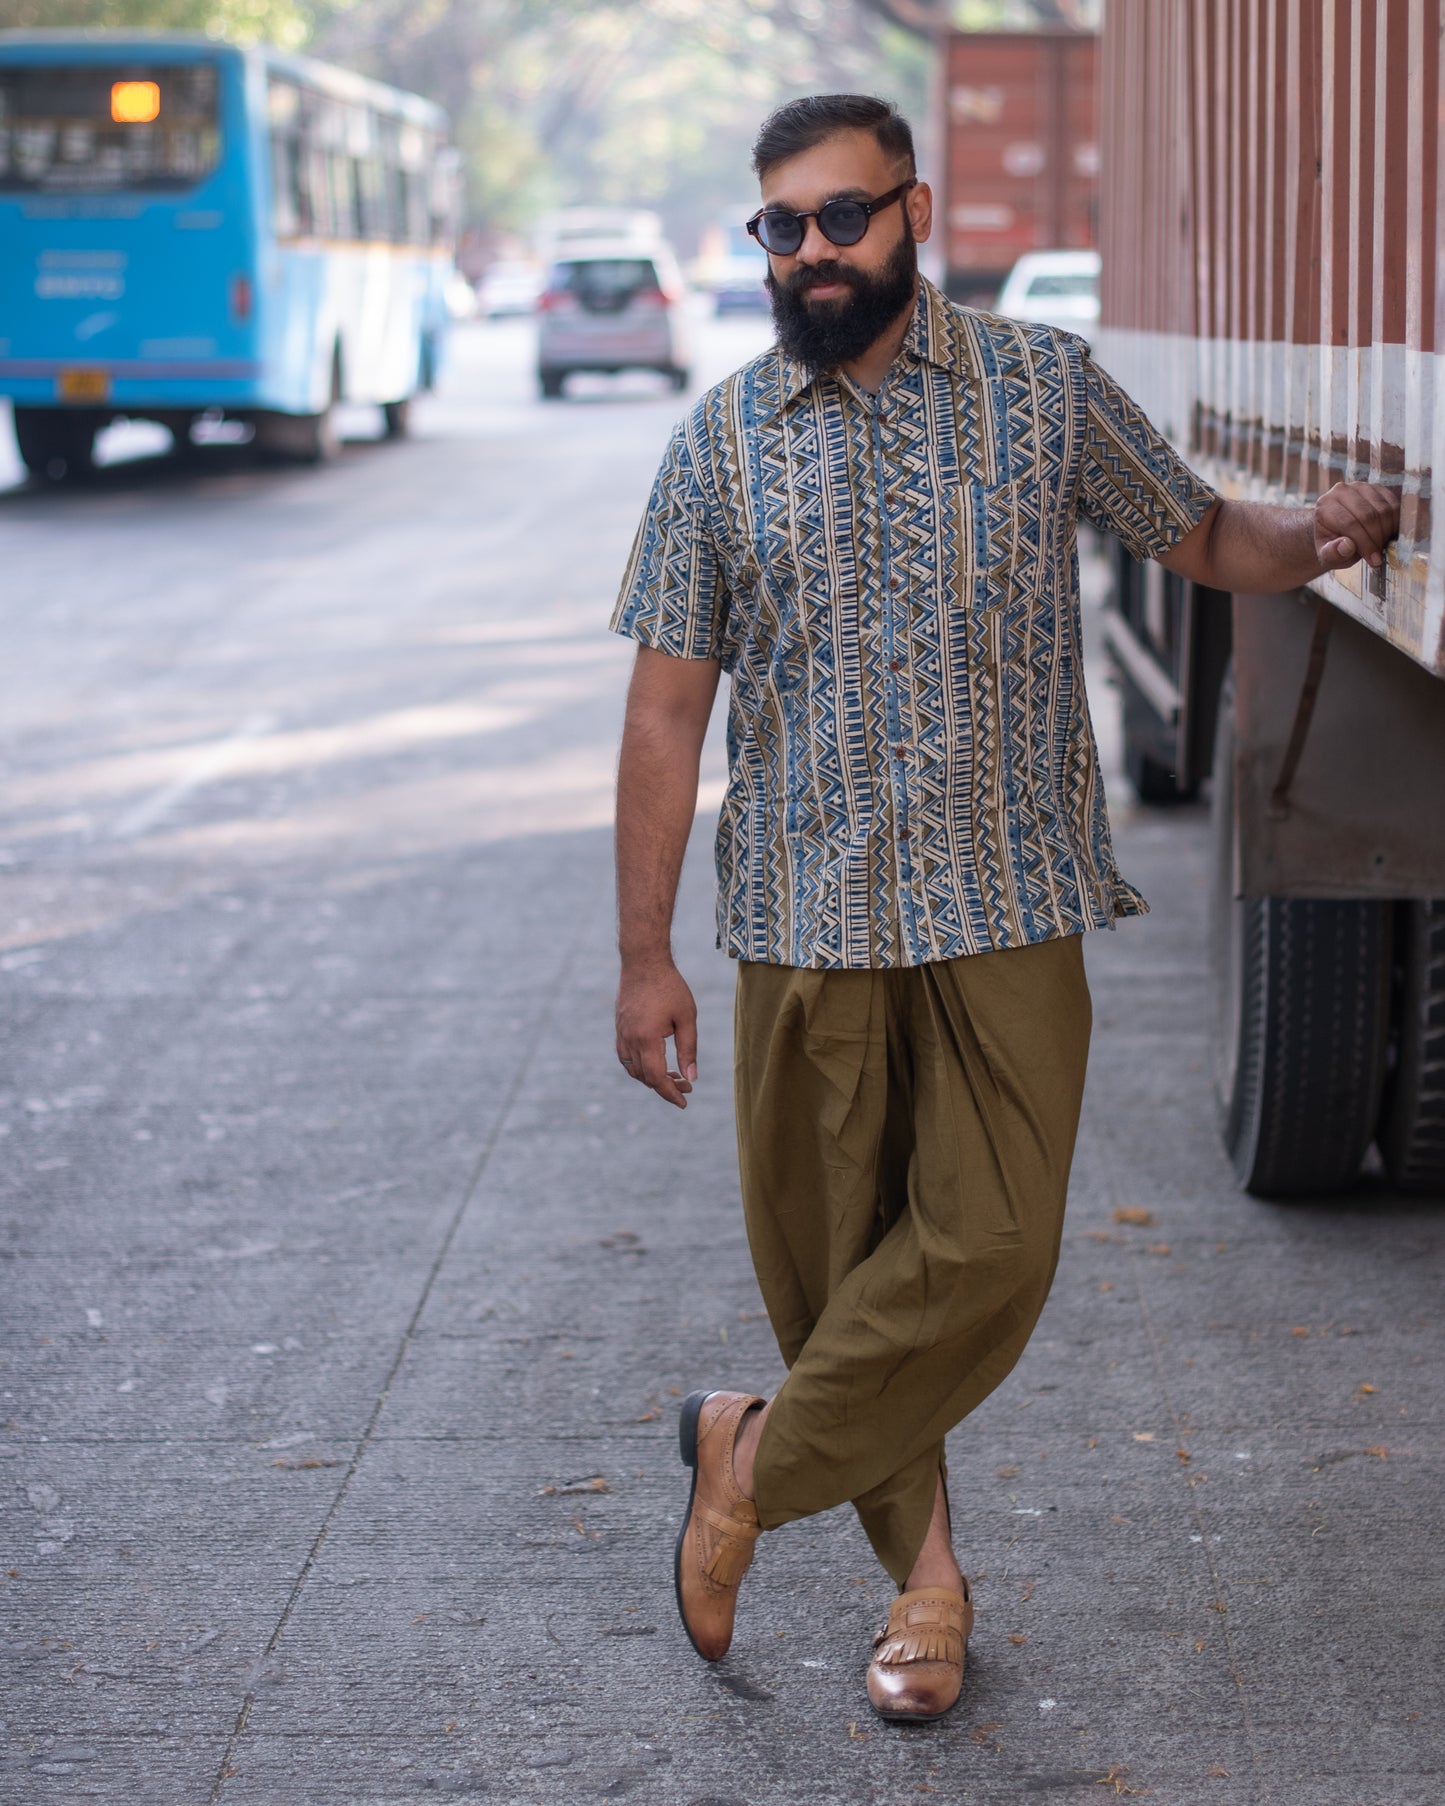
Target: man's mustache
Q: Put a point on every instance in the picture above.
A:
(821, 275)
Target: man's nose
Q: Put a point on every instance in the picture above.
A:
(814, 248)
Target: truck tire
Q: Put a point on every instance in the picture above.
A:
(55, 443)
(1302, 1013)
(1411, 1132)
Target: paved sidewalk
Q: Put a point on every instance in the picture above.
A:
(350, 1291)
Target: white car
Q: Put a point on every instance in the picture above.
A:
(612, 305)
(509, 288)
(1054, 288)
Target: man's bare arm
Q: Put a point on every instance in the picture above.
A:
(1252, 547)
(668, 705)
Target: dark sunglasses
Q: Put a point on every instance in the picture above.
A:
(841, 222)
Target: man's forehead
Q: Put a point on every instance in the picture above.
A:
(846, 164)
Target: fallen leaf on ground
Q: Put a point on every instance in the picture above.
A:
(1183, 1454)
(1017, 1637)
(1134, 1215)
(1221, 1773)
(1299, 1330)
(1006, 1473)
(1106, 1285)
(1160, 1248)
(1143, 1435)
(1380, 1454)
(1364, 1388)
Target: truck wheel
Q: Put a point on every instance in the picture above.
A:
(397, 415)
(1302, 1010)
(55, 443)
(1411, 1132)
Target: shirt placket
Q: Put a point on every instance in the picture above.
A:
(893, 554)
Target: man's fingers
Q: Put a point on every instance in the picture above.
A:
(684, 1040)
(1368, 513)
(652, 1070)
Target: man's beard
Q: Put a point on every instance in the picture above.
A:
(824, 334)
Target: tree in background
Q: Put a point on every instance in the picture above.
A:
(649, 103)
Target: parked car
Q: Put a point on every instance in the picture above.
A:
(1054, 288)
(611, 306)
(739, 285)
(508, 289)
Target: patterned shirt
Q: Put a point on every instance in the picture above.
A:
(891, 582)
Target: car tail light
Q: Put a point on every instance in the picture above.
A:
(652, 297)
(241, 297)
(552, 299)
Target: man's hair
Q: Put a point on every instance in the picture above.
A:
(798, 125)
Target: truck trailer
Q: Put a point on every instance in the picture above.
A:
(1270, 189)
(1016, 120)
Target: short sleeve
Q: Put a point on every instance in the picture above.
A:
(1133, 483)
(673, 596)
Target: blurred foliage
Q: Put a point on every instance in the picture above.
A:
(240, 21)
(640, 102)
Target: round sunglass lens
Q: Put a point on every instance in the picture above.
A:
(780, 232)
(844, 222)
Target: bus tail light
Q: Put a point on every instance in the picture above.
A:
(241, 297)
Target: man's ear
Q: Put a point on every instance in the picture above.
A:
(919, 202)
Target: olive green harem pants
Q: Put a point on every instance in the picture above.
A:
(904, 1140)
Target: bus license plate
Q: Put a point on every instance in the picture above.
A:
(84, 385)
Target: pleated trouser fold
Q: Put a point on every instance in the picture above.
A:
(904, 1140)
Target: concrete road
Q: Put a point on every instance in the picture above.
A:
(349, 1289)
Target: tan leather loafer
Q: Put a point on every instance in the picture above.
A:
(917, 1666)
(715, 1544)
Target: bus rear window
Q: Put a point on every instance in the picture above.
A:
(86, 128)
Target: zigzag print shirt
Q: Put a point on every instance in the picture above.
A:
(892, 584)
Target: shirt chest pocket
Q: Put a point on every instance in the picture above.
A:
(999, 535)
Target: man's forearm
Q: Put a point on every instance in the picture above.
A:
(1255, 547)
(656, 804)
(668, 705)
(1249, 547)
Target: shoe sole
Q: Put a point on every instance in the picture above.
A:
(687, 1442)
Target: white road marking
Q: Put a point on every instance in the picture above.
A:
(207, 766)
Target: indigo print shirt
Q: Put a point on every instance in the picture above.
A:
(891, 583)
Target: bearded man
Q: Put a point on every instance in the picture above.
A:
(871, 528)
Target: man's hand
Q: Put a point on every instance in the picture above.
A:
(1354, 521)
(653, 1004)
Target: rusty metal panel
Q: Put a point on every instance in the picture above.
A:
(1272, 289)
(1365, 810)
(1021, 161)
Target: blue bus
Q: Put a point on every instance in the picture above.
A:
(188, 229)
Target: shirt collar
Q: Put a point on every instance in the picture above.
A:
(931, 339)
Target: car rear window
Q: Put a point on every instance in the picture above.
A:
(88, 127)
(1063, 287)
(605, 284)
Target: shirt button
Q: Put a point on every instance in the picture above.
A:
(897, 752)
(904, 833)
(895, 664)
(893, 583)
(882, 413)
